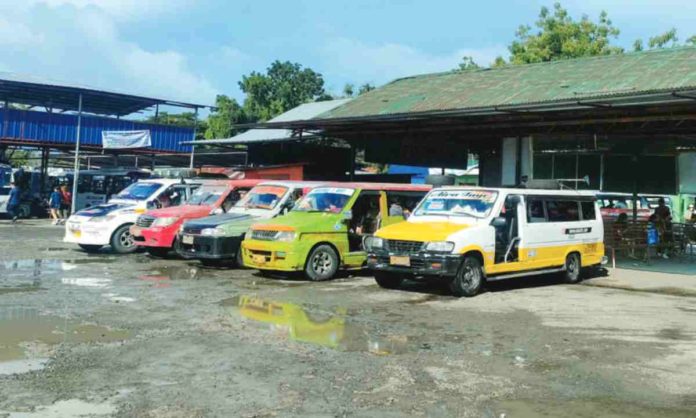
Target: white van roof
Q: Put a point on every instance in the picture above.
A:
(521, 191)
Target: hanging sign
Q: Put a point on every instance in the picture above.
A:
(126, 139)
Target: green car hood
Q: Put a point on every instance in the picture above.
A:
(307, 222)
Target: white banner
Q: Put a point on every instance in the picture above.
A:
(126, 139)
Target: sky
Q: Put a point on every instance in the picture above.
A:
(192, 50)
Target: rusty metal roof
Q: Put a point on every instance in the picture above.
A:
(582, 81)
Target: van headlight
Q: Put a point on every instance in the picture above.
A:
(165, 221)
(285, 236)
(373, 243)
(213, 232)
(440, 246)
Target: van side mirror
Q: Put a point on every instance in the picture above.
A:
(287, 207)
(217, 211)
(514, 199)
(348, 216)
(498, 222)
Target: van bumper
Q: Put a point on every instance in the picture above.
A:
(214, 248)
(421, 264)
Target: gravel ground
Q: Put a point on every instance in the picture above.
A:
(107, 335)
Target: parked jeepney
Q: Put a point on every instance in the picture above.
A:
(325, 230)
(216, 239)
(157, 229)
(465, 236)
(109, 223)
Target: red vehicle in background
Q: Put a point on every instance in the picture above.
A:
(613, 204)
(157, 229)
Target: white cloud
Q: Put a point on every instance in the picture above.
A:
(82, 44)
(120, 9)
(379, 63)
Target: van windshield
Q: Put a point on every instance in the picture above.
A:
(206, 195)
(325, 199)
(474, 203)
(262, 197)
(138, 191)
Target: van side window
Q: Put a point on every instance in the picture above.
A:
(562, 210)
(535, 211)
(588, 211)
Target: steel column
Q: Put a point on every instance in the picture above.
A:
(76, 174)
(193, 147)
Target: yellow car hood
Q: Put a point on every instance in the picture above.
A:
(420, 231)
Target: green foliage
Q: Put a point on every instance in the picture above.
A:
(348, 90)
(638, 45)
(285, 85)
(660, 41)
(561, 37)
(221, 121)
(186, 119)
(365, 88)
(468, 63)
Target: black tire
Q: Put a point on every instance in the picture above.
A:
(24, 211)
(322, 263)
(90, 248)
(469, 279)
(573, 268)
(122, 241)
(157, 252)
(388, 280)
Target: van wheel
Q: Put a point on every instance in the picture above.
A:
(322, 263)
(388, 280)
(122, 241)
(469, 278)
(572, 268)
(90, 248)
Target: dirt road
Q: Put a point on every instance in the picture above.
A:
(132, 336)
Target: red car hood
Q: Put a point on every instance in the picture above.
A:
(185, 211)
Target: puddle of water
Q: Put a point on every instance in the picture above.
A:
(26, 337)
(22, 366)
(334, 330)
(66, 408)
(173, 272)
(87, 282)
(583, 408)
(19, 289)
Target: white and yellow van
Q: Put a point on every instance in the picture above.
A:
(468, 235)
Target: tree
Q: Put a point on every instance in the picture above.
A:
(348, 90)
(365, 88)
(468, 63)
(660, 41)
(561, 37)
(691, 40)
(186, 119)
(285, 85)
(222, 120)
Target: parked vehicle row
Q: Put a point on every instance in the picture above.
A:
(463, 236)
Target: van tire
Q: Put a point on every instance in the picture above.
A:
(469, 278)
(573, 269)
(122, 241)
(388, 280)
(322, 263)
(90, 248)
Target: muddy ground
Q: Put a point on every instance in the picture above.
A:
(132, 336)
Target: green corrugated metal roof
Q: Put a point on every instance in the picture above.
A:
(631, 74)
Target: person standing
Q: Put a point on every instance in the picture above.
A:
(66, 201)
(54, 204)
(14, 201)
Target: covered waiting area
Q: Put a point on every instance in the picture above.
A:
(62, 116)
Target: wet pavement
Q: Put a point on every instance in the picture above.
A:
(103, 335)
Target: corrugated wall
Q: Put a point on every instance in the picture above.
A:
(55, 128)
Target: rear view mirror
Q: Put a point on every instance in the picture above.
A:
(498, 222)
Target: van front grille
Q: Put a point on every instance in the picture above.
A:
(263, 235)
(404, 247)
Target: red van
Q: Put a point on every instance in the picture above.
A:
(157, 229)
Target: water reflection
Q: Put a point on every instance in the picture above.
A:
(333, 329)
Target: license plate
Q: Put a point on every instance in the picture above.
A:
(400, 260)
(135, 230)
(187, 239)
(259, 259)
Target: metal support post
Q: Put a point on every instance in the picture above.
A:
(352, 162)
(76, 174)
(193, 147)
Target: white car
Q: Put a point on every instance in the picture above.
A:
(109, 223)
